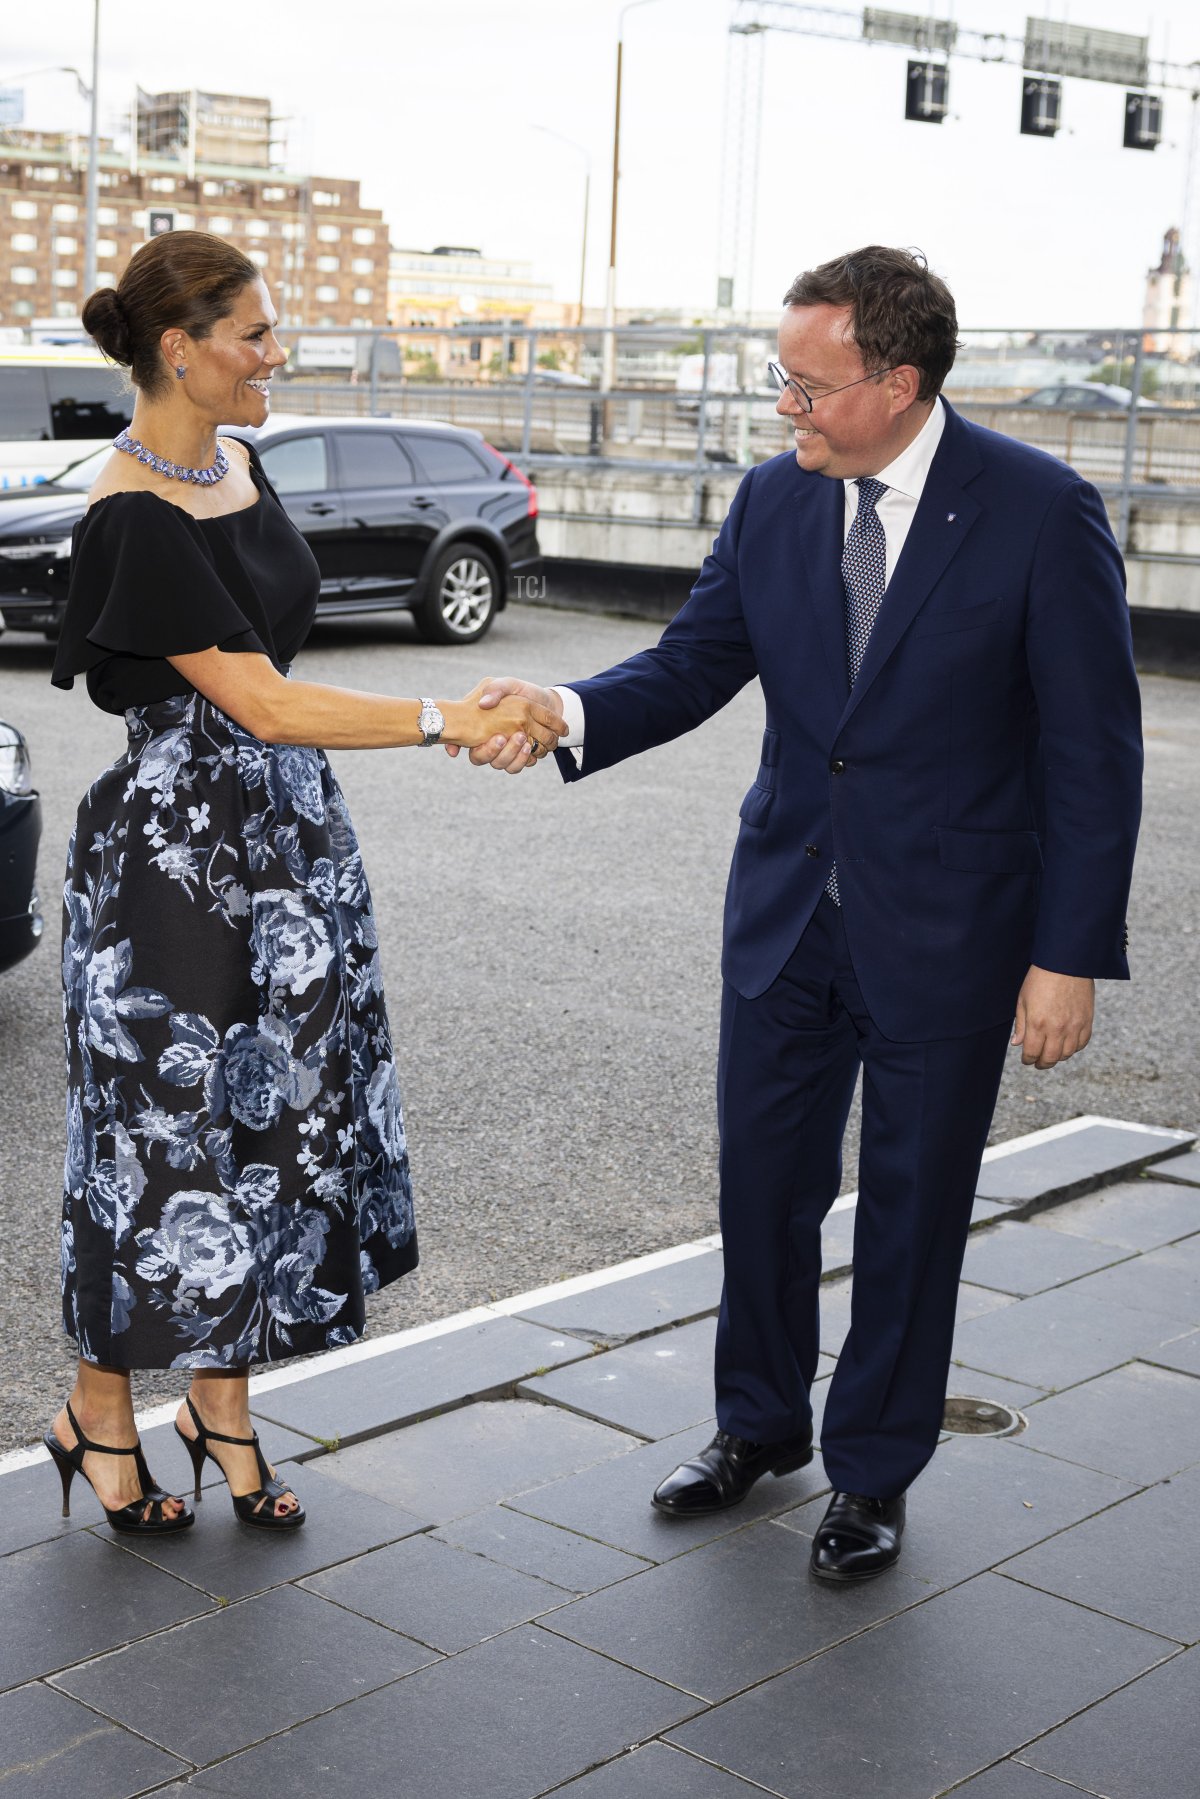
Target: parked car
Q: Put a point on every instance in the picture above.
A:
(1082, 396)
(400, 515)
(56, 401)
(21, 922)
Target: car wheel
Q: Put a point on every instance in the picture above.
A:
(462, 596)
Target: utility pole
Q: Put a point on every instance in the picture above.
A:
(89, 251)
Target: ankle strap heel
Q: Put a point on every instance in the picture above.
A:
(146, 1516)
(257, 1508)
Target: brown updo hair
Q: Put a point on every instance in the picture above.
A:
(184, 279)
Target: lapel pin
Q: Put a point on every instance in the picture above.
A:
(950, 517)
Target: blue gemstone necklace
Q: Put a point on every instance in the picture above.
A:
(203, 477)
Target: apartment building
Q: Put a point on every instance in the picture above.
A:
(323, 253)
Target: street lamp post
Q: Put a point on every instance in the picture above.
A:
(89, 242)
(609, 357)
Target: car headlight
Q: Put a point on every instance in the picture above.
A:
(25, 552)
(16, 773)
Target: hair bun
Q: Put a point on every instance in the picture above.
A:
(104, 319)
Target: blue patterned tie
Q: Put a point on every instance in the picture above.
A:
(864, 573)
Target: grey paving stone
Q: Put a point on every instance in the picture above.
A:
(31, 1507)
(1058, 1338)
(448, 1598)
(360, 1399)
(563, 1557)
(242, 1673)
(474, 1456)
(657, 1771)
(835, 1315)
(975, 1301)
(654, 1387)
(837, 1243)
(611, 1502)
(966, 1383)
(1179, 1168)
(1138, 1422)
(927, 1698)
(643, 1302)
(988, 1211)
(52, 1748)
(228, 1559)
(77, 1598)
(980, 1500)
(730, 1614)
(1142, 1214)
(1143, 1743)
(1160, 1281)
(1183, 1353)
(1046, 1172)
(517, 1716)
(1130, 1562)
(1012, 1780)
(1021, 1259)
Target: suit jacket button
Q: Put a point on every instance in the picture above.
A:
(837, 766)
(810, 849)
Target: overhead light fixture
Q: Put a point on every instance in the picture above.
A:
(1041, 106)
(1143, 121)
(927, 95)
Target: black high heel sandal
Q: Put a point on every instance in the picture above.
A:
(249, 1507)
(131, 1518)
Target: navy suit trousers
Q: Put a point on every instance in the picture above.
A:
(788, 1064)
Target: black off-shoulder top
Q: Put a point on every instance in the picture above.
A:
(149, 581)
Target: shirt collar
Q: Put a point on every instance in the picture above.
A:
(908, 472)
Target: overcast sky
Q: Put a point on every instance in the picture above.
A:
(434, 108)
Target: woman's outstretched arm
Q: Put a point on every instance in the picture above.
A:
(249, 689)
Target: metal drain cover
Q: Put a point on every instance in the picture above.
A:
(966, 1416)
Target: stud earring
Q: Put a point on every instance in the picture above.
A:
(179, 374)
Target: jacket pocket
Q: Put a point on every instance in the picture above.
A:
(988, 852)
(756, 805)
(962, 618)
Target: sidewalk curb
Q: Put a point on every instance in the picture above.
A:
(1164, 1144)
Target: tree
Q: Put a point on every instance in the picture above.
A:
(1120, 374)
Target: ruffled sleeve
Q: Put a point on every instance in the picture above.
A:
(147, 583)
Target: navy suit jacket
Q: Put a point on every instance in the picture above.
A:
(979, 788)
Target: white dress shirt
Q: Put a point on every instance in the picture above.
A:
(904, 479)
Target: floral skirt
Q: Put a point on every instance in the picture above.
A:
(236, 1172)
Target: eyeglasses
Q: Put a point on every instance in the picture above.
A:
(801, 395)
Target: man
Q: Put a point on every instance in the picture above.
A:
(940, 838)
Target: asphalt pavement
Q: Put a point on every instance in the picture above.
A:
(551, 959)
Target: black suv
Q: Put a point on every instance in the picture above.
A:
(422, 517)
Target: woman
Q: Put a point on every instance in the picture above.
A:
(236, 1173)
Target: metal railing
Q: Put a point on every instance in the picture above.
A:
(1122, 406)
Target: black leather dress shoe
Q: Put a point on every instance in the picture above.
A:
(858, 1537)
(724, 1472)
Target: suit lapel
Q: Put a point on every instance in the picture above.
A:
(822, 528)
(944, 515)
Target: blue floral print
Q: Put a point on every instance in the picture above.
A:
(236, 1174)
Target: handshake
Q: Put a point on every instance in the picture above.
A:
(520, 724)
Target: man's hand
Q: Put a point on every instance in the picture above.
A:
(511, 754)
(1054, 1016)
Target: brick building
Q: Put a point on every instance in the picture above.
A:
(323, 253)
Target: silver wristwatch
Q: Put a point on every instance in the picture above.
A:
(430, 723)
